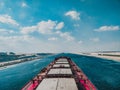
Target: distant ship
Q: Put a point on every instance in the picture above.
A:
(61, 74)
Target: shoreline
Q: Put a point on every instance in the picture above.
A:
(115, 58)
(107, 57)
(5, 64)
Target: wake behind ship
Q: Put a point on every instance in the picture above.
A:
(61, 74)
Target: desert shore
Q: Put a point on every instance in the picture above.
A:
(110, 56)
(3, 64)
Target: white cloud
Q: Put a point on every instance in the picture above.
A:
(6, 32)
(16, 38)
(6, 19)
(59, 26)
(46, 27)
(52, 39)
(26, 30)
(95, 39)
(80, 42)
(43, 27)
(108, 28)
(65, 35)
(26, 43)
(73, 14)
(16, 43)
(23, 4)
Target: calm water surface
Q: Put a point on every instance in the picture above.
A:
(105, 74)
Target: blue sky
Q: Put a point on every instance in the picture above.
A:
(59, 25)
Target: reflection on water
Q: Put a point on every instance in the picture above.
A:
(105, 74)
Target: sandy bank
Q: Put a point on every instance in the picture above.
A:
(109, 56)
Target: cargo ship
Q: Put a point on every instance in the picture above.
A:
(60, 74)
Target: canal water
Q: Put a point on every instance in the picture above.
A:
(105, 74)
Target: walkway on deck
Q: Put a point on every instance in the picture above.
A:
(60, 68)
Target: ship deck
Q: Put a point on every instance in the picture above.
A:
(58, 84)
(61, 67)
(61, 74)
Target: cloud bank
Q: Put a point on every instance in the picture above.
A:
(108, 28)
(43, 27)
(73, 14)
(6, 19)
